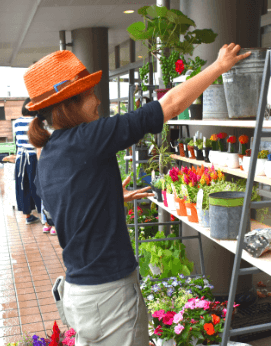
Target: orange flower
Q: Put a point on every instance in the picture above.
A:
(214, 138)
(243, 139)
(209, 328)
(215, 319)
(231, 139)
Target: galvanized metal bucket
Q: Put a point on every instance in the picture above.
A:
(225, 214)
(242, 84)
(214, 103)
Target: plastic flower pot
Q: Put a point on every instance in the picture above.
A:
(192, 213)
(180, 206)
(186, 151)
(181, 149)
(159, 195)
(233, 160)
(213, 156)
(198, 153)
(225, 214)
(191, 152)
(161, 342)
(222, 158)
(260, 165)
(170, 201)
(164, 196)
(206, 152)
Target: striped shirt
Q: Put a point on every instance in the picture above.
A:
(21, 126)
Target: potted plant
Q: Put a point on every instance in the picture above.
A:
(260, 164)
(222, 146)
(214, 101)
(157, 184)
(232, 156)
(267, 166)
(190, 147)
(207, 146)
(198, 147)
(168, 25)
(214, 152)
(179, 199)
(185, 146)
(181, 142)
(243, 140)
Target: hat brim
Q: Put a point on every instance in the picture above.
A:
(71, 90)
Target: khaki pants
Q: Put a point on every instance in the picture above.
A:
(111, 314)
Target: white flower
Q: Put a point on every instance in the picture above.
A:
(150, 297)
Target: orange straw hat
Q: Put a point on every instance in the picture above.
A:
(57, 77)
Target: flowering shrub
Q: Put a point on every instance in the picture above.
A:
(174, 293)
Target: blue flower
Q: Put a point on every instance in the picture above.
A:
(181, 276)
(211, 287)
(199, 287)
(156, 288)
(170, 291)
(175, 283)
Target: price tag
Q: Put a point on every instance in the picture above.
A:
(188, 210)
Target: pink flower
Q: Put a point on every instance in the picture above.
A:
(168, 318)
(203, 304)
(186, 180)
(160, 314)
(70, 332)
(130, 212)
(193, 321)
(178, 329)
(178, 317)
(184, 170)
(179, 66)
(158, 330)
(224, 312)
(235, 305)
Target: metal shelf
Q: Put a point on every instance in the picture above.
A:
(263, 263)
(229, 123)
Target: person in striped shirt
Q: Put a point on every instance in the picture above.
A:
(25, 167)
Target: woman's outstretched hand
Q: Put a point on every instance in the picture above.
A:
(227, 56)
(10, 158)
(136, 194)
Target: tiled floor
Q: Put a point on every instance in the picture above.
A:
(30, 262)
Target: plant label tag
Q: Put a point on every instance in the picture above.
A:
(154, 269)
(189, 113)
(189, 154)
(184, 146)
(204, 152)
(188, 210)
(153, 175)
(150, 149)
(240, 161)
(204, 141)
(196, 152)
(199, 199)
(177, 206)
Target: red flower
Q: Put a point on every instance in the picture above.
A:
(209, 328)
(158, 330)
(168, 318)
(222, 135)
(130, 212)
(231, 139)
(215, 319)
(140, 211)
(179, 66)
(172, 217)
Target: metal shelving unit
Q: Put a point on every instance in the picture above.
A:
(260, 264)
(151, 89)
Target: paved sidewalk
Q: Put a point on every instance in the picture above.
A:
(30, 261)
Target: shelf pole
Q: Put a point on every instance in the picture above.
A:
(247, 199)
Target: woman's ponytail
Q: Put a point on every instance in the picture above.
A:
(37, 134)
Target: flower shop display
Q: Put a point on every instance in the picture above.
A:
(207, 146)
(267, 166)
(168, 25)
(243, 140)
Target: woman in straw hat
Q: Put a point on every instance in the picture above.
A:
(79, 181)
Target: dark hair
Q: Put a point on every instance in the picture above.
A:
(25, 111)
(63, 115)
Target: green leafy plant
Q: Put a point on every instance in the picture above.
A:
(208, 143)
(187, 140)
(168, 256)
(199, 144)
(168, 25)
(143, 73)
(219, 80)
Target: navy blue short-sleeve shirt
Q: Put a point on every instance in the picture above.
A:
(79, 181)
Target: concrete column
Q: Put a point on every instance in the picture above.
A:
(235, 21)
(90, 45)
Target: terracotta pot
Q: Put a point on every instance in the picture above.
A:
(192, 153)
(181, 148)
(192, 213)
(161, 93)
(180, 206)
(164, 195)
(241, 161)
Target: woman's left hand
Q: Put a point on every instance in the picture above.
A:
(135, 194)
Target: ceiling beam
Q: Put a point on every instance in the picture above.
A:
(32, 13)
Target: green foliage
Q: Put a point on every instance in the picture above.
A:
(187, 140)
(219, 81)
(208, 143)
(199, 143)
(263, 154)
(143, 73)
(168, 255)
